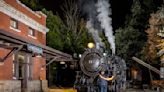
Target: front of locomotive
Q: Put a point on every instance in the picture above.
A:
(92, 62)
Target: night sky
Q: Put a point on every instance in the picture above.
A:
(120, 8)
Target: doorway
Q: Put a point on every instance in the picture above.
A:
(20, 69)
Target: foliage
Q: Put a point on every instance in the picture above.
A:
(129, 41)
(75, 42)
(55, 25)
(154, 42)
(150, 49)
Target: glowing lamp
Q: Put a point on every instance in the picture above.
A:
(91, 45)
(62, 62)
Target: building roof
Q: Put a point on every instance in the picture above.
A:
(47, 51)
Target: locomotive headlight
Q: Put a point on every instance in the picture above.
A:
(91, 45)
(104, 54)
(79, 55)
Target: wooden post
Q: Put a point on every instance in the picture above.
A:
(162, 67)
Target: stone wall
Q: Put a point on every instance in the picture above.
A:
(45, 86)
(10, 86)
(15, 86)
(37, 86)
(34, 86)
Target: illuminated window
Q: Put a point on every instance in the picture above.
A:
(31, 32)
(14, 23)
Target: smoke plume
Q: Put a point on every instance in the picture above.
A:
(106, 21)
(95, 34)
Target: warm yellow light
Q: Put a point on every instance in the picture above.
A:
(91, 45)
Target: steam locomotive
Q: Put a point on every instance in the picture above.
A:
(91, 63)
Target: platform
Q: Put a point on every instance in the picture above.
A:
(63, 90)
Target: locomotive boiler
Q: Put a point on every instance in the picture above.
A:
(91, 63)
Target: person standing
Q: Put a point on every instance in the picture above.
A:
(103, 81)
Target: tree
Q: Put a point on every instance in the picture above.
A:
(154, 46)
(129, 42)
(131, 38)
(76, 33)
(68, 33)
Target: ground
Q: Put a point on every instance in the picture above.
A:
(128, 90)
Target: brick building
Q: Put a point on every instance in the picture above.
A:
(23, 50)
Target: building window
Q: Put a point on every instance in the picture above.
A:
(31, 32)
(14, 23)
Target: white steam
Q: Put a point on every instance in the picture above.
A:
(95, 34)
(106, 22)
